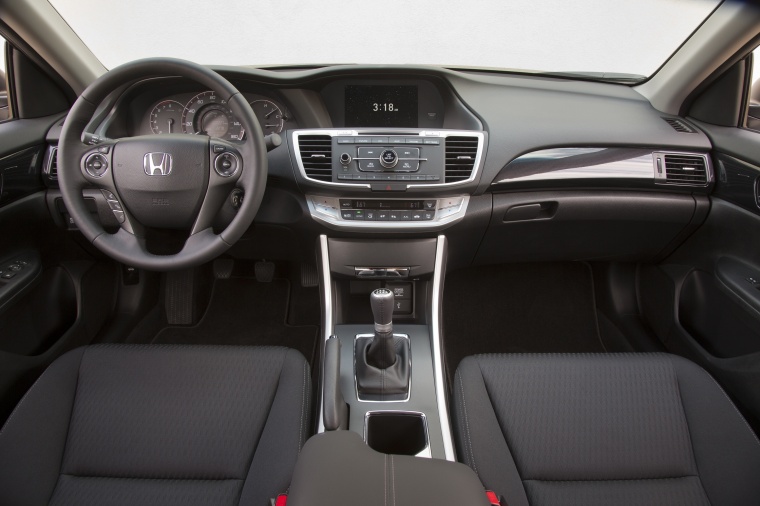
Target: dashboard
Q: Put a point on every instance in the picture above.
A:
(398, 150)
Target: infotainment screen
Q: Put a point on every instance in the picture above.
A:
(381, 106)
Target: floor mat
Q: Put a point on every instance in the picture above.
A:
(245, 312)
(525, 308)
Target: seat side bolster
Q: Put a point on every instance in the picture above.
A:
(287, 426)
(477, 432)
(726, 451)
(33, 440)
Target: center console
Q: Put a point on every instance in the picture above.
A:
(389, 166)
(383, 368)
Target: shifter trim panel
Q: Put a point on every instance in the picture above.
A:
(356, 383)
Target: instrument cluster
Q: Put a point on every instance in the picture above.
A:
(206, 113)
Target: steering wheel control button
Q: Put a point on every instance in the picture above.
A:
(226, 164)
(388, 158)
(236, 198)
(96, 165)
(115, 205)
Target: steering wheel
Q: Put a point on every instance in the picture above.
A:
(174, 181)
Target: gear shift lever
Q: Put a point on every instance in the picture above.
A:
(381, 353)
(382, 360)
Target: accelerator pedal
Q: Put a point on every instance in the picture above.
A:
(179, 297)
(309, 275)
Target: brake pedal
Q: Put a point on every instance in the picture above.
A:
(264, 271)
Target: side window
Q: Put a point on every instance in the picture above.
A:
(753, 114)
(4, 109)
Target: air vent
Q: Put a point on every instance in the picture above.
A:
(685, 169)
(679, 125)
(52, 166)
(316, 156)
(460, 158)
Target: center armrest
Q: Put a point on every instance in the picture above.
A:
(337, 468)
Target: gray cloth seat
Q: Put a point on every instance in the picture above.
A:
(158, 425)
(649, 429)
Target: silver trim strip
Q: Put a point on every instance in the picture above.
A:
(356, 383)
(435, 332)
(441, 134)
(633, 168)
(448, 210)
(327, 316)
(426, 453)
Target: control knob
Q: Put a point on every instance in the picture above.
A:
(388, 158)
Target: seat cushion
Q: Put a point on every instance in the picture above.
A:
(622, 429)
(150, 425)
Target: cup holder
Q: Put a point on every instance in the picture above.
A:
(396, 432)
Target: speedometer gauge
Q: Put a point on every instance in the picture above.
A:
(206, 113)
(166, 117)
(269, 115)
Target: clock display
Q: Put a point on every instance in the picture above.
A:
(381, 106)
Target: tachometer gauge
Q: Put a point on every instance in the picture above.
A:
(208, 114)
(270, 116)
(166, 117)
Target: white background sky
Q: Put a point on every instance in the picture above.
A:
(633, 36)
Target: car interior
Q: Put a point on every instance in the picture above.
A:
(379, 283)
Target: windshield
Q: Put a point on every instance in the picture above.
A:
(605, 37)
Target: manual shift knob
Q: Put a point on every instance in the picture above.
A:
(381, 301)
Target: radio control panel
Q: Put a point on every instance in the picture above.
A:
(367, 158)
(388, 161)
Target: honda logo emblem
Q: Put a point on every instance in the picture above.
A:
(157, 164)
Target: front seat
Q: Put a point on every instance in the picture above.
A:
(651, 429)
(157, 425)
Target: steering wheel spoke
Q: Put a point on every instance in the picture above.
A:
(225, 168)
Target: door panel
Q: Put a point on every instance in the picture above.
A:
(703, 301)
(56, 291)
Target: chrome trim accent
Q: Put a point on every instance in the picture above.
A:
(435, 333)
(327, 316)
(448, 210)
(633, 168)
(49, 167)
(164, 167)
(356, 383)
(426, 452)
(295, 134)
(381, 328)
(661, 178)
